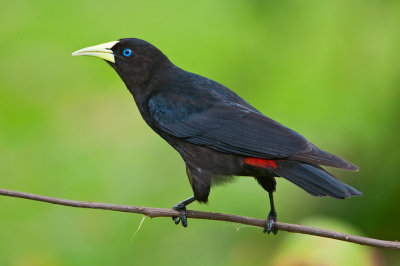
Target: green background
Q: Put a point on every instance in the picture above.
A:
(69, 128)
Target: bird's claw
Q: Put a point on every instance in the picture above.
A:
(271, 223)
(183, 215)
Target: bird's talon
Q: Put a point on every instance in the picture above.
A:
(271, 223)
(176, 220)
(183, 217)
(184, 221)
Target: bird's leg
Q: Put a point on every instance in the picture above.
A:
(272, 217)
(181, 207)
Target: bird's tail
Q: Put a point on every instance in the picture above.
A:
(314, 179)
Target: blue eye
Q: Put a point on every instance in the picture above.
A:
(127, 52)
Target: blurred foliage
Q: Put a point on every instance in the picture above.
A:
(68, 128)
(302, 248)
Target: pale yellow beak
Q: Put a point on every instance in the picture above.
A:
(102, 51)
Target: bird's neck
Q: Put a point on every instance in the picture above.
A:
(143, 90)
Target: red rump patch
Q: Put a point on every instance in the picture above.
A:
(263, 163)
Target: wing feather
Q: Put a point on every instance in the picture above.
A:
(232, 126)
(229, 128)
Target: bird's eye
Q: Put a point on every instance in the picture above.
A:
(127, 52)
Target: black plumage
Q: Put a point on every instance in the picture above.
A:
(216, 132)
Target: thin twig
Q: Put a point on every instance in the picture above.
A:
(157, 212)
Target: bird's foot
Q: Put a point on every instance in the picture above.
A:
(183, 217)
(271, 223)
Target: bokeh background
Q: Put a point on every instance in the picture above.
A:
(69, 128)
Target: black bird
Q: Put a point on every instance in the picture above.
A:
(217, 133)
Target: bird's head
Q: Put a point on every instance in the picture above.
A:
(135, 60)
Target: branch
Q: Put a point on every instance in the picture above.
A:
(157, 212)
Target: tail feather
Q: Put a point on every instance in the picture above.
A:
(314, 180)
(317, 156)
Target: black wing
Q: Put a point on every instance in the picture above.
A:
(230, 127)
